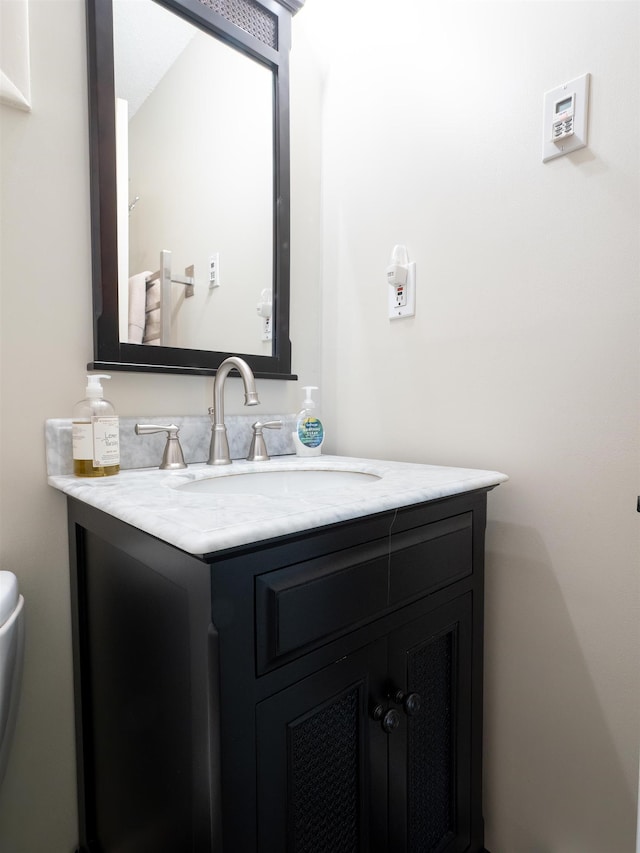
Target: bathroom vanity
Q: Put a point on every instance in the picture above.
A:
(306, 675)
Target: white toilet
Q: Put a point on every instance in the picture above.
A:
(11, 660)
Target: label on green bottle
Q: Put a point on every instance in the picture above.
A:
(310, 432)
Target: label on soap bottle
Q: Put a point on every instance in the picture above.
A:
(106, 441)
(310, 432)
(82, 437)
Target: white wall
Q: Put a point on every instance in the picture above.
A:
(45, 344)
(505, 365)
(523, 357)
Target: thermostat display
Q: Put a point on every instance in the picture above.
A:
(565, 105)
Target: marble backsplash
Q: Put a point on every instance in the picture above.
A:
(145, 451)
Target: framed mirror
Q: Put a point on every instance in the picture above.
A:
(189, 146)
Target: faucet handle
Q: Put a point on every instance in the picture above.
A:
(258, 449)
(172, 458)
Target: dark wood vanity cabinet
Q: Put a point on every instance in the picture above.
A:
(345, 763)
(316, 693)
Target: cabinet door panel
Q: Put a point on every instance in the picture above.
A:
(321, 762)
(429, 755)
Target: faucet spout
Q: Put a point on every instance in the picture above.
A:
(219, 449)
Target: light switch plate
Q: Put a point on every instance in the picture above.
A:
(579, 88)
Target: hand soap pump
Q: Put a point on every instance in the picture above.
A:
(95, 432)
(309, 433)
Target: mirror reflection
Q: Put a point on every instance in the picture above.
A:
(195, 186)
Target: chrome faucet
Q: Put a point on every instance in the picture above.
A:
(219, 449)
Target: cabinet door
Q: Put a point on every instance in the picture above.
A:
(322, 763)
(430, 752)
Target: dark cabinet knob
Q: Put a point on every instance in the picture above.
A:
(411, 702)
(388, 718)
(377, 712)
(390, 721)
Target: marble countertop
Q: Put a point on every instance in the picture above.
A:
(204, 523)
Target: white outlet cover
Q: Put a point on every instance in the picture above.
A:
(214, 270)
(551, 149)
(398, 312)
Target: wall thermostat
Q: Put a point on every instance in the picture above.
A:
(566, 110)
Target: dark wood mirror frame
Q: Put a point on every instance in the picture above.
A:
(109, 352)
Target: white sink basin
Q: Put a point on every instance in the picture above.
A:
(278, 482)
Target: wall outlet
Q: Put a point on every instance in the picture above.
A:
(402, 299)
(214, 270)
(266, 329)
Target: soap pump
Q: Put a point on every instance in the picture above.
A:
(95, 433)
(309, 433)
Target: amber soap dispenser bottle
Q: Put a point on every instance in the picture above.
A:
(96, 434)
